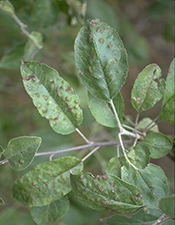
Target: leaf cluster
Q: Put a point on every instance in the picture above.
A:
(130, 183)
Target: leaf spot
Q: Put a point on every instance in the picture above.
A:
(101, 40)
(39, 105)
(110, 45)
(21, 161)
(44, 110)
(56, 118)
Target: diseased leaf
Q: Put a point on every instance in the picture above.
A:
(168, 104)
(140, 155)
(167, 112)
(148, 88)
(53, 96)
(167, 205)
(54, 210)
(46, 182)
(143, 216)
(101, 59)
(21, 151)
(102, 112)
(159, 144)
(106, 192)
(151, 181)
(169, 91)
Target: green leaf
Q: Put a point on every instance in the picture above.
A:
(147, 121)
(140, 155)
(101, 59)
(20, 151)
(114, 165)
(151, 181)
(7, 7)
(54, 210)
(106, 192)
(148, 88)
(167, 112)
(107, 118)
(46, 182)
(44, 14)
(159, 144)
(53, 96)
(167, 206)
(143, 216)
(168, 103)
(37, 39)
(1, 201)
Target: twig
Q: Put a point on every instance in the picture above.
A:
(136, 120)
(88, 155)
(80, 147)
(98, 144)
(148, 127)
(82, 135)
(159, 221)
(124, 132)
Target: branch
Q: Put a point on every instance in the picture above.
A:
(122, 130)
(52, 153)
(159, 221)
(97, 144)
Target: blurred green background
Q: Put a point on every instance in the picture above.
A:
(146, 28)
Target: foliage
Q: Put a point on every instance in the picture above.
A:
(130, 185)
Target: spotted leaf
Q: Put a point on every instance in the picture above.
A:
(101, 59)
(148, 88)
(106, 192)
(54, 211)
(21, 151)
(53, 96)
(46, 182)
(168, 103)
(151, 181)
